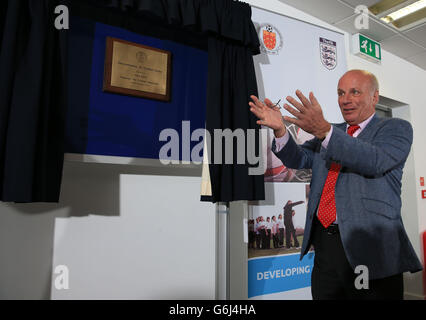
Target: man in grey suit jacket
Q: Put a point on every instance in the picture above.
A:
(354, 212)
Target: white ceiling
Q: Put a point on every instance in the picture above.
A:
(409, 44)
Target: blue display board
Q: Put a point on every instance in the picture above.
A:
(103, 123)
(280, 273)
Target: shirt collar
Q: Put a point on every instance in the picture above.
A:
(363, 124)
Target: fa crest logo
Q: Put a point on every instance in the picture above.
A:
(328, 53)
(270, 39)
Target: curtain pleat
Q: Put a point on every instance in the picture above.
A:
(32, 103)
(225, 18)
(228, 93)
(3, 11)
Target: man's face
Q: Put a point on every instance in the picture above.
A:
(357, 100)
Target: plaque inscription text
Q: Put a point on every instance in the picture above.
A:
(135, 69)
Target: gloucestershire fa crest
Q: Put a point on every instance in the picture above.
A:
(328, 53)
(270, 38)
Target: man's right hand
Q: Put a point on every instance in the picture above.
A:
(269, 115)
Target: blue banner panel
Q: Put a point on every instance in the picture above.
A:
(279, 273)
(104, 123)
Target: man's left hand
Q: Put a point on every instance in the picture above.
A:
(308, 115)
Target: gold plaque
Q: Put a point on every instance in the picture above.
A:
(138, 70)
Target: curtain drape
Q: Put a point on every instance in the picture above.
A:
(33, 87)
(32, 102)
(231, 81)
(3, 10)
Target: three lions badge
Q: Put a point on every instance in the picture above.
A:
(328, 53)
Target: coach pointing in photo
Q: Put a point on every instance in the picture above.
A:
(354, 211)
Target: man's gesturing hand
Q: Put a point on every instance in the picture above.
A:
(268, 114)
(308, 115)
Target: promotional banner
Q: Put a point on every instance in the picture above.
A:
(295, 56)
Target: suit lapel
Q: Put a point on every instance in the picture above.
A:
(369, 128)
(341, 126)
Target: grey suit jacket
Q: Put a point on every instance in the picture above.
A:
(368, 192)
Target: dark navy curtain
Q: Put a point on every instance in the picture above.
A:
(33, 95)
(32, 101)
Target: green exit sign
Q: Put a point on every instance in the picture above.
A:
(366, 48)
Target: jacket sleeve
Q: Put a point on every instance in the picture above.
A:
(296, 156)
(387, 150)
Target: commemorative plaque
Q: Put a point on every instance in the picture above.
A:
(137, 70)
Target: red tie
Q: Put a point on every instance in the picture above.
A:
(327, 205)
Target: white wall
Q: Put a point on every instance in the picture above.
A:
(128, 232)
(402, 81)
